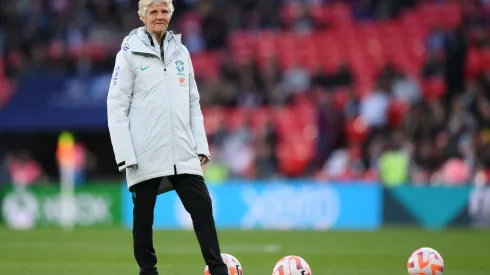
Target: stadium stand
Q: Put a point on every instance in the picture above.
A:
(327, 87)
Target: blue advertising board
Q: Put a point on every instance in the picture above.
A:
(57, 102)
(433, 207)
(275, 205)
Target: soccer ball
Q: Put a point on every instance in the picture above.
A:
(291, 265)
(234, 266)
(425, 261)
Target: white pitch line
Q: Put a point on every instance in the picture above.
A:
(269, 248)
(272, 248)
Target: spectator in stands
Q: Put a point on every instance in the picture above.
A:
(384, 9)
(476, 14)
(483, 116)
(219, 91)
(302, 21)
(455, 171)
(435, 40)
(422, 121)
(295, 80)
(362, 9)
(192, 33)
(68, 37)
(344, 164)
(24, 169)
(266, 162)
(351, 107)
(433, 66)
(460, 123)
(237, 152)
(439, 114)
(271, 77)
(481, 38)
(374, 107)
(456, 51)
(319, 77)
(375, 145)
(467, 148)
(394, 163)
(342, 77)
(251, 92)
(213, 26)
(483, 160)
(85, 162)
(325, 123)
(217, 170)
(218, 137)
(483, 82)
(406, 88)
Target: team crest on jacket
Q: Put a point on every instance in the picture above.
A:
(180, 65)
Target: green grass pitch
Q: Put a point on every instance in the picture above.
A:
(109, 251)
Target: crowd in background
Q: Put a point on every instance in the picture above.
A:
(32, 28)
(442, 141)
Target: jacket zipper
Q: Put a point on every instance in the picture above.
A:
(171, 116)
(171, 124)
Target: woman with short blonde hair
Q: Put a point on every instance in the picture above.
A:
(157, 132)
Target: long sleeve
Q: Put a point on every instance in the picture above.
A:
(118, 104)
(196, 118)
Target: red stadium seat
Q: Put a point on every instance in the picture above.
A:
(236, 117)
(259, 119)
(289, 12)
(370, 176)
(341, 15)
(485, 59)
(434, 89)
(285, 121)
(294, 156)
(340, 98)
(356, 130)
(473, 63)
(396, 113)
(213, 118)
(304, 99)
(205, 64)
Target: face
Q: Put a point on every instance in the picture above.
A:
(157, 18)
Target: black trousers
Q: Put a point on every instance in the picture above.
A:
(194, 195)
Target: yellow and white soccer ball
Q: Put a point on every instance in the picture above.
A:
(425, 261)
(291, 265)
(234, 266)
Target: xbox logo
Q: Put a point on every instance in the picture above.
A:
(20, 210)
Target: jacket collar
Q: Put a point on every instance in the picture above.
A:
(140, 42)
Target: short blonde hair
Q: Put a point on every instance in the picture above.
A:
(143, 6)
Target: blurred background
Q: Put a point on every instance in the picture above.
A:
(390, 91)
(371, 112)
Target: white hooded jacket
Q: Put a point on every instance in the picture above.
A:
(154, 115)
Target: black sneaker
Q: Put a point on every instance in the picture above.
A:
(153, 271)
